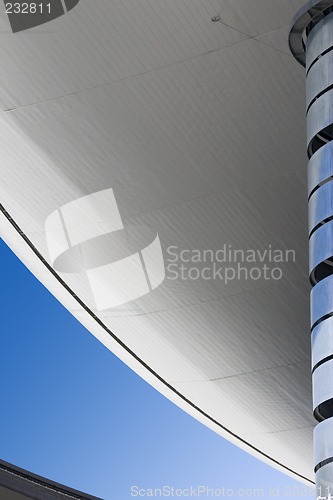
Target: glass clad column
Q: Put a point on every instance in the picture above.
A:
(311, 42)
(319, 97)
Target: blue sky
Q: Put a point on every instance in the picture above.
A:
(73, 412)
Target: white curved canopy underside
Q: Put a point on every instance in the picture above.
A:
(199, 128)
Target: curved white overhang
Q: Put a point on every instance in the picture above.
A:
(198, 128)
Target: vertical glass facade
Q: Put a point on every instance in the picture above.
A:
(311, 41)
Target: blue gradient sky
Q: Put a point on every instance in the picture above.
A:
(71, 411)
